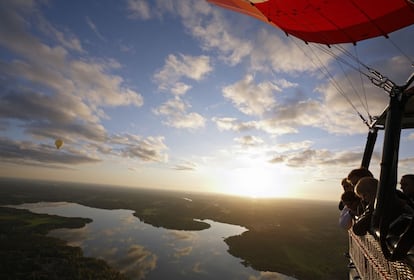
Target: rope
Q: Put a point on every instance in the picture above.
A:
(402, 52)
(362, 81)
(324, 70)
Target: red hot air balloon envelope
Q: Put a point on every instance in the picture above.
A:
(329, 21)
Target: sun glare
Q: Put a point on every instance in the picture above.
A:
(256, 183)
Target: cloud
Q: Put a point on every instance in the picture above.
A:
(175, 110)
(233, 124)
(182, 66)
(268, 275)
(181, 252)
(139, 9)
(310, 158)
(47, 92)
(13, 21)
(283, 83)
(197, 268)
(100, 89)
(149, 149)
(270, 126)
(333, 111)
(274, 52)
(74, 237)
(249, 140)
(180, 88)
(182, 235)
(250, 98)
(138, 262)
(215, 33)
(51, 116)
(28, 153)
(168, 78)
(94, 28)
(185, 166)
(204, 23)
(51, 67)
(292, 146)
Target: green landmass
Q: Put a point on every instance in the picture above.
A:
(27, 253)
(300, 238)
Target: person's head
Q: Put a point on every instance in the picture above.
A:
(366, 189)
(350, 200)
(346, 185)
(356, 174)
(407, 184)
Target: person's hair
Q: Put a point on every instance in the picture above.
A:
(349, 196)
(366, 185)
(360, 173)
(409, 177)
(346, 184)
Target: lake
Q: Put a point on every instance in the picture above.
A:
(142, 251)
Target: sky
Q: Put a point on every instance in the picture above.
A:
(184, 95)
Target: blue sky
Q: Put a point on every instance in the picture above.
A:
(184, 95)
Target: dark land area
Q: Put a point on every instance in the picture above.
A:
(300, 238)
(26, 253)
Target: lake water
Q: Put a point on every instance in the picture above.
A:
(142, 251)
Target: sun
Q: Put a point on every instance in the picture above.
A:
(256, 182)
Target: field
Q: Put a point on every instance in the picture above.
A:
(295, 237)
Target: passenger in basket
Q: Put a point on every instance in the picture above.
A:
(356, 174)
(349, 183)
(366, 190)
(407, 185)
(352, 208)
(347, 186)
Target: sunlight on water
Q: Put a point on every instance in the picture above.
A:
(142, 251)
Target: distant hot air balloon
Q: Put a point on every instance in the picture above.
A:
(58, 143)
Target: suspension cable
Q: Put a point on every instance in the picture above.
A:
(330, 77)
(362, 83)
(364, 104)
(375, 76)
(402, 52)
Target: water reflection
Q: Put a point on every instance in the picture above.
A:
(142, 251)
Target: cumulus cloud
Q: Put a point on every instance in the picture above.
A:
(181, 252)
(138, 262)
(175, 111)
(249, 140)
(182, 66)
(251, 98)
(180, 88)
(208, 25)
(28, 153)
(51, 93)
(293, 146)
(234, 124)
(309, 157)
(215, 33)
(139, 9)
(273, 52)
(149, 149)
(52, 67)
(270, 126)
(176, 235)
